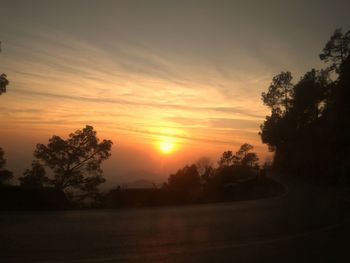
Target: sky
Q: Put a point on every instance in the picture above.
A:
(187, 73)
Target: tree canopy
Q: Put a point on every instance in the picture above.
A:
(34, 177)
(279, 94)
(309, 122)
(337, 49)
(3, 83)
(244, 156)
(185, 178)
(3, 80)
(5, 175)
(75, 161)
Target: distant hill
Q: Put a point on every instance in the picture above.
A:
(142, 183)
(139, 179)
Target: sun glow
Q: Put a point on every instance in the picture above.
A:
(167, 140)
(166, 147)
(166, 144)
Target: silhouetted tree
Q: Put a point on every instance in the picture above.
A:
(309, 96)
(243, 151)
(243, 156)
(3, 83)
(2, 158)
(202, 164)
(308, 129)
(279, 99)
(270, 131)
(185, 178)
(34, 177)
(337, 49)
(279, 94)
(232, 168)
(3, 80)
(5, 175)
(250, 159)
(227, 159)
(76, 161)
(339, 122)
(205, 169)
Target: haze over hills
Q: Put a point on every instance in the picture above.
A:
(136, 179)
(142, 183)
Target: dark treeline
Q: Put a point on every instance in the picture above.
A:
(309, 125)
(235, 177)
(74, 174)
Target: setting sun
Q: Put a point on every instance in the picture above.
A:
(166, 145)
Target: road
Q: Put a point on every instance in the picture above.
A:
(303, 225)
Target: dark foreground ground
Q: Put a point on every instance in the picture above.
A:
(307, 224)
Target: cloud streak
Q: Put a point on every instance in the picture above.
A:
(241, 111)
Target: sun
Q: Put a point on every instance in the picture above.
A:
(167, 140)
(166, 147)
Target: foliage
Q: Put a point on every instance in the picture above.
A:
(3, 83)
(309, 96)
(185, 178)
(337, 49)
(308, 131)
(279, 94)
(205, 169)
(227, 159)
(76, 161)
(3, 80)
(5, 175)
(203, 176)
(2, 158)
(243, 156)
(250, 159)
(34, 177)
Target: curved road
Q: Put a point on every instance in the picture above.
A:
(305, 225)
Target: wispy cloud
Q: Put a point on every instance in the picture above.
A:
(237, 110)
(60, 81)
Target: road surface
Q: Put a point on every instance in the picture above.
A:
(303, 225)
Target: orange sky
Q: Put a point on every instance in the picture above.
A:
(139, 72)
(63, 88)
